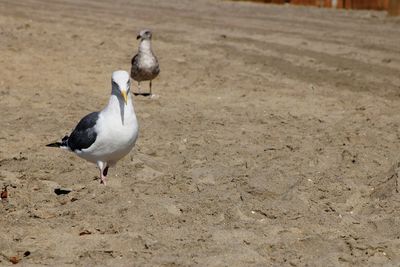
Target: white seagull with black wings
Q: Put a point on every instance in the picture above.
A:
(107, 136)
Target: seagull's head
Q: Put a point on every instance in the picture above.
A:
(120, 82)
(144, 35)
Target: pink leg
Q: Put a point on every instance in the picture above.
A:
(103, 178)
(103, 171)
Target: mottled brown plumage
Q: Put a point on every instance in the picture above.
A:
(145, 65)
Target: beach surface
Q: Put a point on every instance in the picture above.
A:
(274, 139)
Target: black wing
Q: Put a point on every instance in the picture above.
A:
(84, 134)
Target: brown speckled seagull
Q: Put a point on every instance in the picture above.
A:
(145, 65)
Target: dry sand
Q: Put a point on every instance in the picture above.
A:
(274, 142)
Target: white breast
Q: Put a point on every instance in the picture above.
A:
(115, 137)
(147, 61)
(147, 58)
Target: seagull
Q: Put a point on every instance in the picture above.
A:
(107, 136)
(145, 65)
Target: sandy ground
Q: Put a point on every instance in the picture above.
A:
(274, 142)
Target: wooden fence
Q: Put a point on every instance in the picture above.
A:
(392, 6)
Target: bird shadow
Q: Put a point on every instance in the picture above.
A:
(141, 94)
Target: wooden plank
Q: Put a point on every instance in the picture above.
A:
(394, 8)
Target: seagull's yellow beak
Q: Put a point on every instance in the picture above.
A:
(123, 93)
